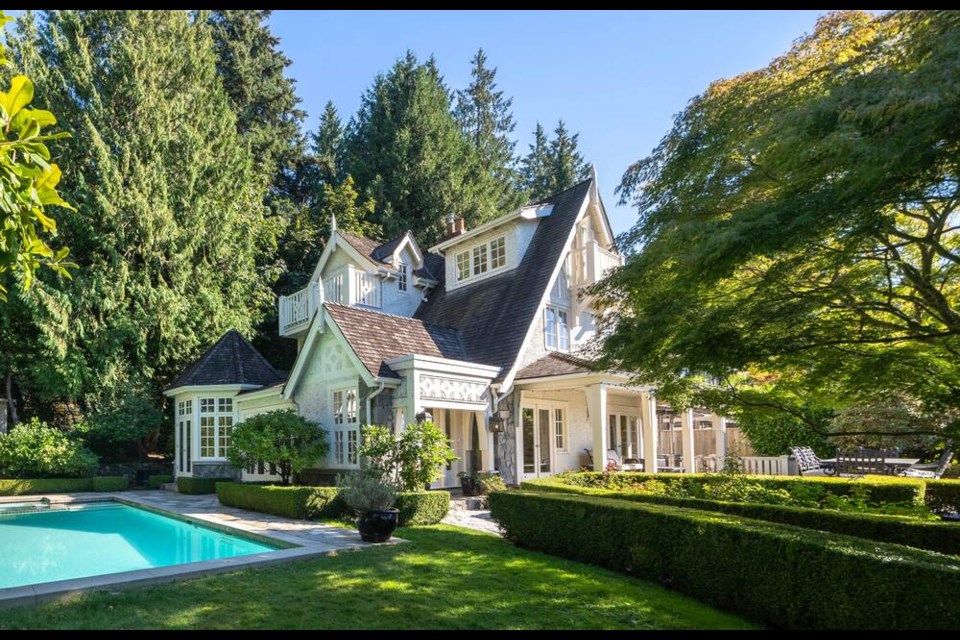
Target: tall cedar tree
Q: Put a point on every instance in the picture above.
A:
(552, 166)
(485, 117)
(328, 146)
(405, 150)
(170, 218)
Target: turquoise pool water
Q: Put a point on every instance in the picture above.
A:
(105, 538)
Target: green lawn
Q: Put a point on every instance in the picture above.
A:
(443, 578)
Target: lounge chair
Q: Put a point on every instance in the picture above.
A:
(808, 464)
(931, 470)
(630, 464)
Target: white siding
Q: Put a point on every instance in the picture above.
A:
(579, 432)
(517, 235)
(402, 303)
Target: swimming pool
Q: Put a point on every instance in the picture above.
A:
(97, 539)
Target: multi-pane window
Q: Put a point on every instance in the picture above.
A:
(479, 259)
(216, 427)
(483, 258)
(402, 277)
(346, 436)
(352, 439)
(498, 253)
(560, 430)
(463, 265)
(345, 406)
(556, 328)
(185, 413)
(338, 447)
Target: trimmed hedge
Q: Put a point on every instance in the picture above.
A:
(111, 483)
(156, 481)
(906, 492)
(943, 496)
(299, 503)
(935, 536)
(198, 486)
(785, 576)
(45, 485)
(422, 507)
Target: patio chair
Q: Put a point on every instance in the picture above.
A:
(931, 470)
(860, 464)
(808, 464)
(630, 464)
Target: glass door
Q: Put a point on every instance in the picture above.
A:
(537, 440)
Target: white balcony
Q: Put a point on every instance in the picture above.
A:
(592, 262)
(298, 309)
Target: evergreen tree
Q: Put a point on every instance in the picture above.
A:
(485, 117)
(405, 150)
(535, 167)
(328, 146)
(170, 220)
(567, 167)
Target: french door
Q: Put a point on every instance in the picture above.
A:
(538, 441)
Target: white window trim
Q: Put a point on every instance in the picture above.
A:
(343, 430)
(216, 414)
(486, 246)
(557, 310)
(403, 276)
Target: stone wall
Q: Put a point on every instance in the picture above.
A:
(136, 472)
(507, 443)
(215, 470)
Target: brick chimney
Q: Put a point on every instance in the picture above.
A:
(454, 226)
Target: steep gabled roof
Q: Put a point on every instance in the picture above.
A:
(554, 364)
(231, 361)
(494, 315)
(376, 336)
(365, 246)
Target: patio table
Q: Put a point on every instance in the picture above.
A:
(896, 465)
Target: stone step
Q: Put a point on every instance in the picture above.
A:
(467, 504)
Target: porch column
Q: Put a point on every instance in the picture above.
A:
(597, 407)
(719, 438)
(651, 431)
(686, 443)
(486, 442)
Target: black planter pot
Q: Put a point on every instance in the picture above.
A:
(468, 486)
(378, 526)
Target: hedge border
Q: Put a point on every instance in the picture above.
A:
(422, 507)
(194, 486)
(111, 483)
(943, 496)
(783, 575)
(298, 502)
(157, 480)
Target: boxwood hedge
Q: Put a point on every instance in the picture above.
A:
(45, 485)
(943, 496)
(922, 534)
(158, 480)
(783, 575)
(422, 507)
(197, 486)
(111, 483)
(299, 503)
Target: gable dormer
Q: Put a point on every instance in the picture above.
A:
(359, 272)
(492, 248)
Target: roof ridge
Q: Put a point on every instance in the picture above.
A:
(388, 315)
(558, 193)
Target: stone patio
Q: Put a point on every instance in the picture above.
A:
(300, 539)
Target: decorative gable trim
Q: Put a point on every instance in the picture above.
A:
(337, 242)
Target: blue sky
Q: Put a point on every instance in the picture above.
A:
(617, 78)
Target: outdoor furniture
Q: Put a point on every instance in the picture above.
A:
(666, 465)
(808, 464)
(895, 466)
(630, 464)
(861, 463)
(930, 470)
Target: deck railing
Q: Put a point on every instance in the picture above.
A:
(297, 310)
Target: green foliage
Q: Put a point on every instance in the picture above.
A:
(365, 490)
(28, 184)
(823, 580)
(195, 486)
(943, 496)
(158, 480)
(111, 483)
(328, 146)
(489, 482)
(772, 433)
(922, 533)
(120, 423)
(173, 220)
(299, 503)
(885, 495)
(35, 450)
(407, 153)
(281, 438)
(34, 486)
(411, 460)
(796, 230)
(422, 507)
(553, 165)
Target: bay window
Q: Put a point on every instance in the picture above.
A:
(216, 427)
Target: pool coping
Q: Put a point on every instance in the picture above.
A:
(290, 548)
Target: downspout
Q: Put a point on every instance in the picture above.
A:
(370, 398)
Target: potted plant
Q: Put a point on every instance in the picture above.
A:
(371, 499)
(468, 484)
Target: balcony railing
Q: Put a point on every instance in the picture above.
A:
(297, 309)
(591, 263)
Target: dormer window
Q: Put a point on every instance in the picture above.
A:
(482, 259)
(402, 277)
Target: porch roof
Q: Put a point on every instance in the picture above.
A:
(554, 364)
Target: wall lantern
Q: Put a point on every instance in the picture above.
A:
(498, 421)
(424, 416)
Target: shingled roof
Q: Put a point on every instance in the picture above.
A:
(376, 336)
(231, 361)
(493, 315)
(554, 364)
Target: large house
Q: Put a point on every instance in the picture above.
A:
(480, 331)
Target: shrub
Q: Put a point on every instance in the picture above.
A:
(197, 486)
(299, 503)
(280, 438)
(935, 536)
(816, 579)
(111, 483)
(488, 482)
(410, 461)
(44, 485)
(422, 507)
(156, 481)
(366, 490)
(35, 450)
(943, 496)
(903, 494)
(125, 422)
